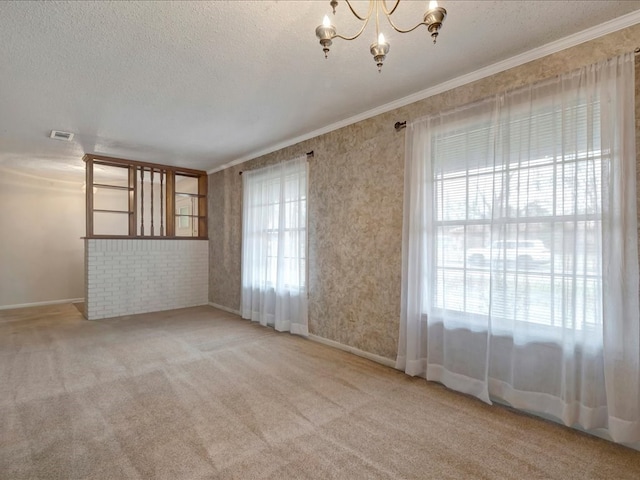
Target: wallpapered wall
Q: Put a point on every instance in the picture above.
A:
(355, 206)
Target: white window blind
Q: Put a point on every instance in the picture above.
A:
(526, 226)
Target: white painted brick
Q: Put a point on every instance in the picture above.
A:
(124, 277)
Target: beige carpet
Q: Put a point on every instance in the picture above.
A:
(199, 393)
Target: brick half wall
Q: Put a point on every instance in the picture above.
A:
(125, 277)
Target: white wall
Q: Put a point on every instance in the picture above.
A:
(125, 277)
(41, 250)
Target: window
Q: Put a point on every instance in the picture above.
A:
(275, 214)
(520, 259)
(135, 199)
(274, 246)
(517, 235)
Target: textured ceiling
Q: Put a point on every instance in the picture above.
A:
(201, 84)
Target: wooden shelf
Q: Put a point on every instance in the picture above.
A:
(192, 195)
(113, 211)
(114, 187)
(145, 237)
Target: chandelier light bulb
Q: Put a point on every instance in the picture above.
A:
(325, 34)
(379, 51)
(433, 18)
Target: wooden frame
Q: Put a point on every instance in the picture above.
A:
(136, 171)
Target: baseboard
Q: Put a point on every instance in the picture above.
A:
(387, 362)
(41, 304)
(226, 309)
(331, 343)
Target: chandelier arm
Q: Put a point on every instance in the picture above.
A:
(356, 13)
(388, 13)
(364, 25)
(400, 30)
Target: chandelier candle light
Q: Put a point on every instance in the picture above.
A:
(326, 32)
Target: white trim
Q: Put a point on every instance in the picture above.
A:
(330, 343)
(605, 28)
(387, 362)
(226, 309)
(41, 304)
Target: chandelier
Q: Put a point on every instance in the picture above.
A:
(432, 19)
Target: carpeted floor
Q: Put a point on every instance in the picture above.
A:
(198, 393)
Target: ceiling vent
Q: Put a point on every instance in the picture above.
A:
(64, 136)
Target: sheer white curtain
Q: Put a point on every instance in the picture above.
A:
(520, 261)
(274, 246)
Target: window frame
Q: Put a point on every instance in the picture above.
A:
(500, 324)
(268, 232)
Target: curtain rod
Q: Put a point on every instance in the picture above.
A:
(400, 125)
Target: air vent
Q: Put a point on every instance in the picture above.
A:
(64, 136)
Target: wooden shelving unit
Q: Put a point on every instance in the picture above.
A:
(136, 197)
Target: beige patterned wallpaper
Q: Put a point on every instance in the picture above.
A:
(355, 207)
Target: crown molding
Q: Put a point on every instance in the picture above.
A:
(611, 26)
